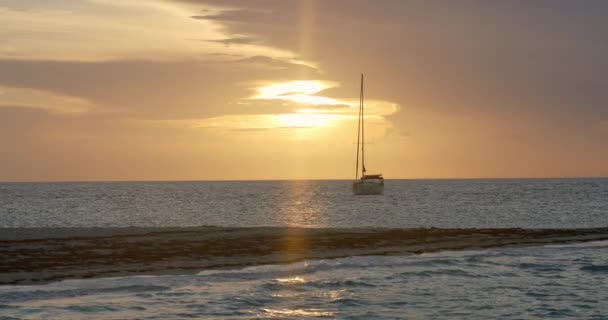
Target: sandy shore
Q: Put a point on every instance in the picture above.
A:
(31, 256)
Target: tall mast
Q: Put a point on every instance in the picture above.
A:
(359, 128)
(362, 131)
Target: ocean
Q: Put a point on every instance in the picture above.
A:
(426, 249)
(503, 203)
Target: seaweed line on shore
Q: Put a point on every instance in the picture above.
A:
(34, 256)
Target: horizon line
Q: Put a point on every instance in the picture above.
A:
(270, 180)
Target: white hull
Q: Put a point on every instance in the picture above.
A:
(368, 187)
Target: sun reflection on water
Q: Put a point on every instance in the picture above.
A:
(281, 313)
(298, 205)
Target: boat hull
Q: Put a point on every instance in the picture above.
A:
(368, 187)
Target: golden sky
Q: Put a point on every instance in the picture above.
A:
(246, 89)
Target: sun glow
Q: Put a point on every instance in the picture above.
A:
(301, 91)
(305, 120)
(316, 111)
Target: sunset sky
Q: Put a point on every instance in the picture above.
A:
(244, 89)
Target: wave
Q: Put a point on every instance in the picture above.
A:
(42, 294)
(596, 268)
(30, 256)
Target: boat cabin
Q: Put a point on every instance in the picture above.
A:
(372, 179)
(372, 176)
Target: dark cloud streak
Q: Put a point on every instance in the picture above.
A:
(544, 60)
(157, 90)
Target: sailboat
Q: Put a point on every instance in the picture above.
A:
(365, 183)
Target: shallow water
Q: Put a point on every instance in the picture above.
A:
(565, 281)
(529, 203)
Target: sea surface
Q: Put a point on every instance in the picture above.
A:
(549, 281)
(526, 203)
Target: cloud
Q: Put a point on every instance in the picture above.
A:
(464, 56)
(153, 89)
(43, 100)
(304, 68)
(236, 40)
(93, 30)
(240, 15)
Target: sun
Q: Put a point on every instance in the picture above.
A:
(305, 120)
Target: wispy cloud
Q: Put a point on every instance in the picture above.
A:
(43, 100)
(99, 30)
(235, 40)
